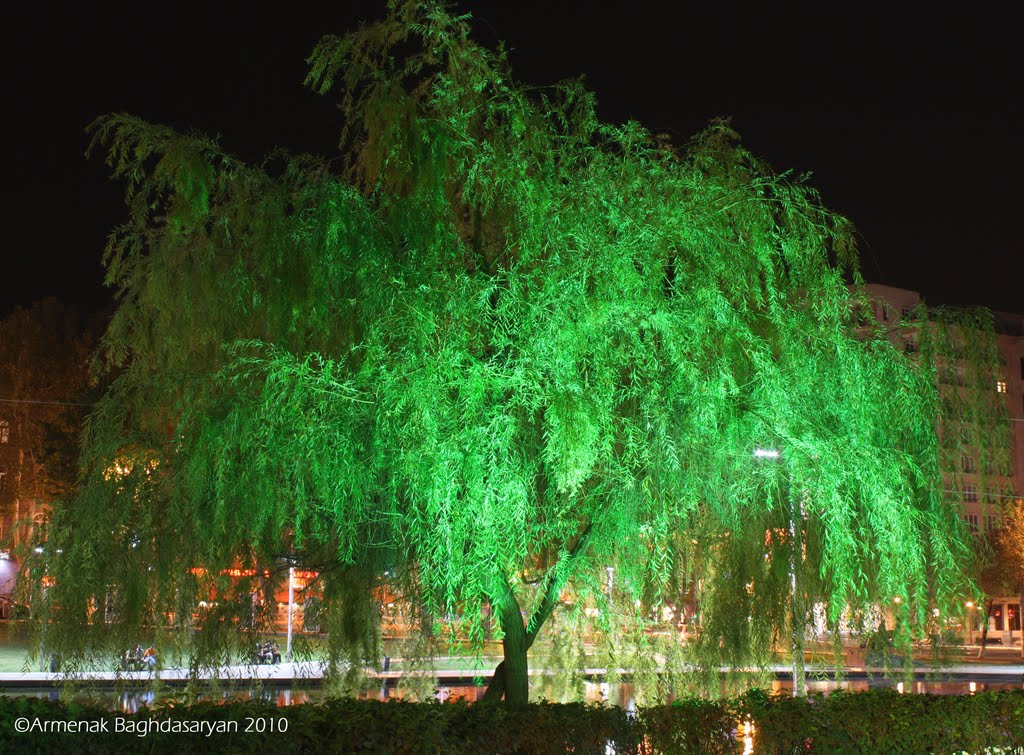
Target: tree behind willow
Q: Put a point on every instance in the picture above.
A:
(44, 357)
(506, 346)
(1011, 548)
(1003, 572)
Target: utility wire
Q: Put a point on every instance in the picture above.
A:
(36, 401)
(981, 495)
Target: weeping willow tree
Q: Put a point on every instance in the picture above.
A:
(496, 349)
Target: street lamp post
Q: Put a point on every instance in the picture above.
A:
(796, 603)
(291, 559)
(44, 663)
(795, 553)
(291, 611)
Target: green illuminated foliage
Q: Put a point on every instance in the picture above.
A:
(506, 347)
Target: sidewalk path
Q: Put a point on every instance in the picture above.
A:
(281, 673)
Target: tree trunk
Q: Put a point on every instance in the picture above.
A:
(496, 689)
(515, 645)
(984, 628)
(511, 676)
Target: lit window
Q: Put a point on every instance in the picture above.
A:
(972, 522)
(1000, 386)
(971, 496)
(5, 431)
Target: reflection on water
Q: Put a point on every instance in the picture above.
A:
(129, 701)
(621, 694)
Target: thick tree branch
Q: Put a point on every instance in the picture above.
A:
(561, 571)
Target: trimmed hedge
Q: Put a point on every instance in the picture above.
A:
(876, 721)
(886, 721)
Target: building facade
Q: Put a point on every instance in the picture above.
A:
(982, 494)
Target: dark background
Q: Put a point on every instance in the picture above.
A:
(904, 117)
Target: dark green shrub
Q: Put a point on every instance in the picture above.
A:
(691, 725)
(876, 721)
(886, 721)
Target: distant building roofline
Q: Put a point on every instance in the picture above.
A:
(1006, 323)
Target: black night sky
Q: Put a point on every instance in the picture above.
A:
(904, 118)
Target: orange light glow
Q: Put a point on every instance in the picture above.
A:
(239, 572)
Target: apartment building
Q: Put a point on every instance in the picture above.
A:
(981, 506)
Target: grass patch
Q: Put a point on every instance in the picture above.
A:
(13, 653)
